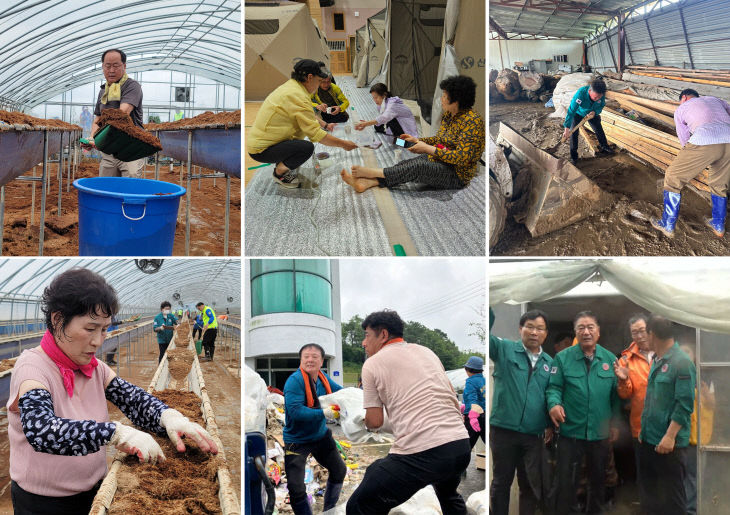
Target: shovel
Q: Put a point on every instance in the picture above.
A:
(564, 139)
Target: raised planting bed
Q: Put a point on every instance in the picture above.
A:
(190, 482)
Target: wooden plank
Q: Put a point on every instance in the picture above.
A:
(725, 83)
(654, 142)
(621, 120)
(682, 71)
(666, 120)
(658, 105)
(590, 140)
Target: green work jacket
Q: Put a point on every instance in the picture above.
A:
(590, 398)
(518, 401)
(670, 395)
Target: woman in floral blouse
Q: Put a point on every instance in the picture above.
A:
(447, 160)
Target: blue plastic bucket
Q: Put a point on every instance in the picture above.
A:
(124, 216)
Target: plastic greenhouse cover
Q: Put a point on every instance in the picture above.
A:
(47, 48)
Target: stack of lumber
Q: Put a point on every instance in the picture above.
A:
(714, 77)
(652, 146)
(661, 111)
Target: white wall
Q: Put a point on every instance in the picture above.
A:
(526, 50)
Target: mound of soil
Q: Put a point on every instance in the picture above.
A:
(13, 118)
(183, 483)
(179, 362)
(122, 121)
(206, 120)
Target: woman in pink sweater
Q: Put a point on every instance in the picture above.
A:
(58, 423)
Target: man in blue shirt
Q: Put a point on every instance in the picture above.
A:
(305, 430)
(586, 100)
(474, 396)
(163, 325)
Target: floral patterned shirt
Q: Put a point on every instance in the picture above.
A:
(463, 136)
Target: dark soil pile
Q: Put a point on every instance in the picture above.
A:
(121, 121)
(207, 119)
(179, 362)
(184, 483)
(621, 230)
(24, 119)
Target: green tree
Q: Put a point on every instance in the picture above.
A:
(352, 336)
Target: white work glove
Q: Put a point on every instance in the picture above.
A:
(331, 414)
(176, 424)
(160, 329)
(132, 441)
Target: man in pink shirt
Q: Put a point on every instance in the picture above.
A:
(703, 129)
(431, 443)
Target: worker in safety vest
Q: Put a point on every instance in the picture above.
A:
(210, 329)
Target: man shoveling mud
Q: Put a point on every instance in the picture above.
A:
(703, 129)
(119, 92)
(588, 99)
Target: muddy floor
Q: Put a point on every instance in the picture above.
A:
(621, 230)
(207, 215)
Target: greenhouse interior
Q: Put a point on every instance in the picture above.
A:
(186, 295)
(178, 66)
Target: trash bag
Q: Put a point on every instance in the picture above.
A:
(476, 504)
(255, 402)
(352, 416)
(564, 91)
(423, 502)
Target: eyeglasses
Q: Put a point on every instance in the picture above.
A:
(531, 328)
(114, 66)
(639, 332)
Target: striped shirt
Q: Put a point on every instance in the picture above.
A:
(703, 121)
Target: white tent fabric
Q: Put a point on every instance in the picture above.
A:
(47, 48)
(687, 295)
(462, 52)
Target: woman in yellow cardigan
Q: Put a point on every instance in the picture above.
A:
(286, 117)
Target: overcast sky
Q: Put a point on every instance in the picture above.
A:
(439, 293)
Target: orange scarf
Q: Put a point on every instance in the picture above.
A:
(310, 389)
(394, 340)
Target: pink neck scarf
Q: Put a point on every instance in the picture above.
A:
(64, 363)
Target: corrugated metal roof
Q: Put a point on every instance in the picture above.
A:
(707, 24)
(555, 18)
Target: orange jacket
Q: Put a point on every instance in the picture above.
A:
(634, 387)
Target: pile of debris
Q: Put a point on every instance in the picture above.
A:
(510, 85)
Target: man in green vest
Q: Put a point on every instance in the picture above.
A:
(210, 329)
(518, 423)
(584, 406)
(665, 422)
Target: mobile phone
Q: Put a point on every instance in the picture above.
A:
(403, 143)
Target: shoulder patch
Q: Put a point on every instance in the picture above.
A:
(553, 370)
(578, 101)
(665, 367)
(546, 368)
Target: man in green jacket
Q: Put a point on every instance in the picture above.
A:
(665, 422)
(587, 100)
(584, 405)
(518, 423)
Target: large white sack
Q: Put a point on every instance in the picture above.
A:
(565, 89)
(352, 416)
(423, 502)
(477, 503)
(457, 378)
(256, 401)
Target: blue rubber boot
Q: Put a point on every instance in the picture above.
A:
(719, 210)
(670, 214)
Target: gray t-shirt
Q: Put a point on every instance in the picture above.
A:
(131, 94)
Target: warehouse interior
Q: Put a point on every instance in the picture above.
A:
(540, 53)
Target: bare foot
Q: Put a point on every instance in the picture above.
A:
(364, 172)
(356, 184)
